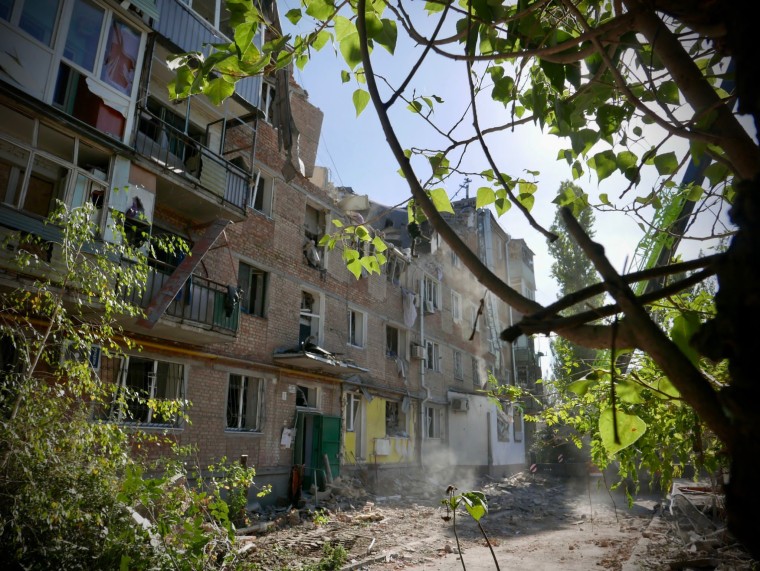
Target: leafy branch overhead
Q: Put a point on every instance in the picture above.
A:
(635, 92)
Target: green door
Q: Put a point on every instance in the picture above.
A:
(316, 436)
(329, 435)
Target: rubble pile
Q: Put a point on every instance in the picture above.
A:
(400, 526)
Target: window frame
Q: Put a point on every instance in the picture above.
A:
(243, 402)
(248, 305)
(123, 376)
(432, 291)
(432, 353)
(316, 320)
(434, 423)
(65, 189)
(357, 328)
(322, 220)
(457, 365)
(352, 411)
(401, 344)
(456, 306)
(263, 185)
(402, 420)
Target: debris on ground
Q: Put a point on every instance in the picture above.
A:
(533, 518)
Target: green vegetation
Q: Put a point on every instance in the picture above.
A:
(74, 494)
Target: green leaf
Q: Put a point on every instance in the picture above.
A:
(218, 89)
(583, 140)
(294, 16)
(440, 165)
(320, 9)
(321, 39)
(604, 199)
(337, 223)
(665, 389)
(609, 118)
(716, 173)
(475, 503)
(345, 76)
(503, 90)
(577, 170)
(666, 164)
(581, 386)
(485, 196)
(629, 427)
(350, 50)
(667, 92)
(502, 205)
(604, 163)
(527, 200)
(695, 193)
(378, 244)
(628, 391)
(415, 106)
(344, 27)
(441, 200)
(388, 35)
(360, 98)
(685, 325)
(434, 7)
(626, 160)
(555, 72)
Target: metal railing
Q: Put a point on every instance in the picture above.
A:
(181, 154)
(200, 300)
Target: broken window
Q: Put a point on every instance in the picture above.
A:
(353, 402)
(502, 424)
(475, 372)
(245, 397)
(34, 182)
(431, 294)
(456, 306)
(310, 316)
(261, 197)
(518, 424)
(95, 80)
(307, 397)
(253, 281)
(458, 369)
(433, 356)
(395, 343)
(357, 327)
(143, 380)
(433, 422)
(266, 105)
(314, 229)
(395, 419)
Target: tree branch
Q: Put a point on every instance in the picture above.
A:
(592, 336)
(689, 381)
(532, 325)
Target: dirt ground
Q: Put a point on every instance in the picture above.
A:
(534, 522)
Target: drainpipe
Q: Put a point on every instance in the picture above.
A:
(422, 375)
(511, 319)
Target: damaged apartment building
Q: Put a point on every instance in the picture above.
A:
(306, 365)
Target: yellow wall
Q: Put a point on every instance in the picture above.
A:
(349, 447)
(401, 449)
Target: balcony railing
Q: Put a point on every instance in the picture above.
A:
(183, 155)
(200, 302)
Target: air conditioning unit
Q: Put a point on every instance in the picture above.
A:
(460, 405)
(418, 351)
(82, 354)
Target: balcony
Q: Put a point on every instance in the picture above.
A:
(198, 314)
(194, 174)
